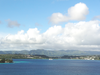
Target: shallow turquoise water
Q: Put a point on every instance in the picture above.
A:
(50, 67)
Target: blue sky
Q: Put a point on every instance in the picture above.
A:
(29, 12)
(22, 15)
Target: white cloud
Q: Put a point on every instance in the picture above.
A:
(2, 35)
(77, 12)
(53, 31)
(74, 36)
(12, 23)
(32, 36)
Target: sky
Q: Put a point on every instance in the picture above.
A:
(50, 25)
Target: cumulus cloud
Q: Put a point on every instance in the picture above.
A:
(77, 12)
(12, 23)
(32, 36)
(74, 36)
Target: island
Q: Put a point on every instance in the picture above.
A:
(5, 60)
(3, 57)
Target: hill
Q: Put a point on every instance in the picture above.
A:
(52, 52)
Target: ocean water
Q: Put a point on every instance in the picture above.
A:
(50, 67)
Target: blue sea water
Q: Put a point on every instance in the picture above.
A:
(50, 67)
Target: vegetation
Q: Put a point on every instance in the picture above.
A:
(86, 57)
(52, 53)
(13, 56)
(3, 60)
(25, 56)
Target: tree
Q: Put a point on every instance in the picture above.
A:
(3, 60)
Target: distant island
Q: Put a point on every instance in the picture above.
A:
(3, 60)
(27, 56)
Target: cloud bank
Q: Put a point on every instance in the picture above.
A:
(74, 36)
(77, 12)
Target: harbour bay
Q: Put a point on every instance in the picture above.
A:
(50, 67)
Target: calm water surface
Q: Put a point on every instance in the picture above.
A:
(50, 67)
